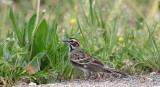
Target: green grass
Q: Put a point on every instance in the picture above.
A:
(37, 40)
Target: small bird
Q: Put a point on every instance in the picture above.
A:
(84, 61)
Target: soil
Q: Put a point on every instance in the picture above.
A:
(133, 81)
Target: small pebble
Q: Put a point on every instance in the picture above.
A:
(32, 84)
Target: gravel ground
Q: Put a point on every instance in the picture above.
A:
(133, 81)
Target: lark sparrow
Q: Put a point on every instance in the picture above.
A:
(84, 61)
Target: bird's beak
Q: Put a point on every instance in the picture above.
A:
(67, 40)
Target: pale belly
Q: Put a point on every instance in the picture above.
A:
(80, 68)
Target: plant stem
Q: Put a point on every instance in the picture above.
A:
(35, 27)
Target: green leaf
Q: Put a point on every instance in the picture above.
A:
(40, 37)
(36, 61)
(91, 12)
(17, 32)
(52, 37)
(6, 53)
(31, 26)
(42, 30)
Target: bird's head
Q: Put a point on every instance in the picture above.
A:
(73, 43)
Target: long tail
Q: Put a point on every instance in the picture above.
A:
(110, 70)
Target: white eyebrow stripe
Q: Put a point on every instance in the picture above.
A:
(75, 40)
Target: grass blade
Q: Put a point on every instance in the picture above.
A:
(15, 26)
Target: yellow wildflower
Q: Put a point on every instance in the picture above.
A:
(120, 39)
(72, 21)
(81, 45)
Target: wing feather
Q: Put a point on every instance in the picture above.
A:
(87, 61)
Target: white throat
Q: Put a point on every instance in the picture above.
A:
(71, 48)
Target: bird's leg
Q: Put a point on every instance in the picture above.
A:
(86, 75)
(89, 75)
(98, 75)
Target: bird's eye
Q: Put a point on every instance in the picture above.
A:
(75, 44)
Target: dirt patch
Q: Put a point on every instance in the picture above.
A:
(133, 81)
